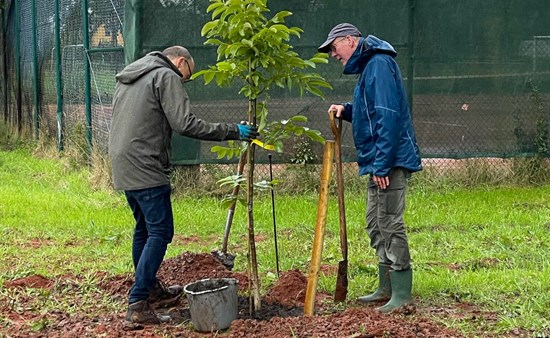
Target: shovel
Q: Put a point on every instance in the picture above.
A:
(227, 259)
(342, 277)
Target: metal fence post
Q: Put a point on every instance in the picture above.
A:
(5, 65)
(36, 81)
(59, 81)
(17, 52)
(87, 91)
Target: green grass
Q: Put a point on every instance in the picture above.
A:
(488, 246)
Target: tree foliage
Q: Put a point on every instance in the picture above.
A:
(256, 51)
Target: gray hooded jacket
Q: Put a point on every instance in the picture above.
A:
(148, 104)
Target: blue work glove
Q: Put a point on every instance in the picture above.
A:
(247, 132)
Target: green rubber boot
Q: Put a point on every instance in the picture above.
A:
(401, 285)
(384, 288)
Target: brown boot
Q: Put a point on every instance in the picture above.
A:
(163, 296)
(142, 313)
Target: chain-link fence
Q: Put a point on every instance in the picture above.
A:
(476, 71)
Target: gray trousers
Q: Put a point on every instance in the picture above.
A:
(385, 223)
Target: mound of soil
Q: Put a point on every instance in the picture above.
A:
(281, 313)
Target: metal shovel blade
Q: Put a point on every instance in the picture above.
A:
(341, 291)
(227, 259)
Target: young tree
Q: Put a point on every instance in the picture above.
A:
(256, 51)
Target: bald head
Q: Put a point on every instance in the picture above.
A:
(182, 59)
(177, 51)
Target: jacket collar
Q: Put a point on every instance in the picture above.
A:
(366, 48)
(169, 63)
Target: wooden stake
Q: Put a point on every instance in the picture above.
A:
(322, 206)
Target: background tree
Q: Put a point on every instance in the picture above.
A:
(256, 51)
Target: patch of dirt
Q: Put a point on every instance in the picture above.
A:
(281, 313)
(38, 242)
(182, 240)
(290, 290)
(188, 267)
(34, 281)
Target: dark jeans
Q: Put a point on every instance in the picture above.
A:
(154, 230)
(385, 223)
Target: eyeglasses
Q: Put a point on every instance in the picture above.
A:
(190, 72)
(334, 43)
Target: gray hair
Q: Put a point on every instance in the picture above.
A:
(177, 51)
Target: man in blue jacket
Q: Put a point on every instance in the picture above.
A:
(386, 149)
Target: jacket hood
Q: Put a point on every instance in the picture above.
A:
(149, 62)
(366, 48)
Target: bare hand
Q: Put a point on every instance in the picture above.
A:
(381, 182)
(338, 108)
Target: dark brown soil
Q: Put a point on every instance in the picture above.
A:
(281, 313)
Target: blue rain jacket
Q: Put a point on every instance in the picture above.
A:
(382, 127)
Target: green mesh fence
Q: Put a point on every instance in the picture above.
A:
(106, 59)
(3, 64)
(46, 69)
(476, 71)
(477, 66)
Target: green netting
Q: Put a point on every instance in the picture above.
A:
(477, 65)
(476, 71)
(3, 64)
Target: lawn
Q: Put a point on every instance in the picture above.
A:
(485, 248)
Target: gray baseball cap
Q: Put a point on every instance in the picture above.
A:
(340, 30)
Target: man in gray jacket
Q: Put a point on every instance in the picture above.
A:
(148, 104)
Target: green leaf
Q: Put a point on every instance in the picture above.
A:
(315, 91)
(309, 63)
(319, 83)
(234, 49)
(222, 153)
(315, 135)
(208, 77)
(213, 6)
(320, 59)
(280, 83)
(263, 185)
(280, 17)
(232, 180)
(225, 66)
(218, 11)
(208, 27)
(298, 118)
(213, 42)
(279, 146)
(227, 201)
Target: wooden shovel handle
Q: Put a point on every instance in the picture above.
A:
(335, 124)
(336, 127)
